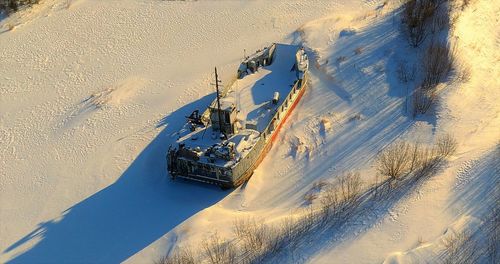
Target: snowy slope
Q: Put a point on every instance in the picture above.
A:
(91, 91)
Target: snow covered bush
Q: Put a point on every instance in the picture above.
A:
(446, 145)
(342, 197)
(423, 99)
(257, 238)
(219, 251)
(416, 16)
(394, 161)
(461, 248)
(179, 256)
(437, 63)
(405, 159)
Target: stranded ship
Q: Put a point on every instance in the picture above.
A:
(224, 144)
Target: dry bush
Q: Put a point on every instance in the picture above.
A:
(341, 59)
(423, 99)
(310, 197)
(493, 233)
(465, 74)
(312, 194)
(429, 158)
(395, 160)
(358, 50)
(350, 187)
(10, 6)
(490, 227)
(427, 162)
(414, 160)
(441, 19)
(318, 185)
(253, 235)
(416, 15)
(330, 201)
(465, 4)
(341, 198)
(179, 256)
(437, 61)
(405, 74)
(446, 145)
(219, 251)
(460, 248)
(258, 239)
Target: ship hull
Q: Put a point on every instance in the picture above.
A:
(243, 178)
(240, 179)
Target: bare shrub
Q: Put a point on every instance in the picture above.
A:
(258, 239)
(415, 15)
(358, 50)
(414, 160)
(446, 145)
(404, 72)
(440, 20)
(179, 256)
(460, 248)
(437, 61)
(287, 229)
(415, 157)
(341, 198)
(318, 185)
(312, 194)
(427, 162)
(493, 233)
(330, 201)
(395, 160)
(305, 222)
(465, 74)
(252, 234)
(10, 6)
(465, 4)
(350, 187)
(219, 251)
(341, 59)
(310, 197)
(423, 99)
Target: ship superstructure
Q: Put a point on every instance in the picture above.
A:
(224, 144)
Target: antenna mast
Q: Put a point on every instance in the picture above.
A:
(218, 99)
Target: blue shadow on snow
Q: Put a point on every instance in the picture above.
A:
(120, 220)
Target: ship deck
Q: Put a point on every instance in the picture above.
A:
(252, 95)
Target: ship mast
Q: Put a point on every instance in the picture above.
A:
(218, 99)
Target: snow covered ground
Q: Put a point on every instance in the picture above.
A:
(92, 91)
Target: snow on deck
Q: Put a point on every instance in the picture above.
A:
(205, 138)
(253, 94)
